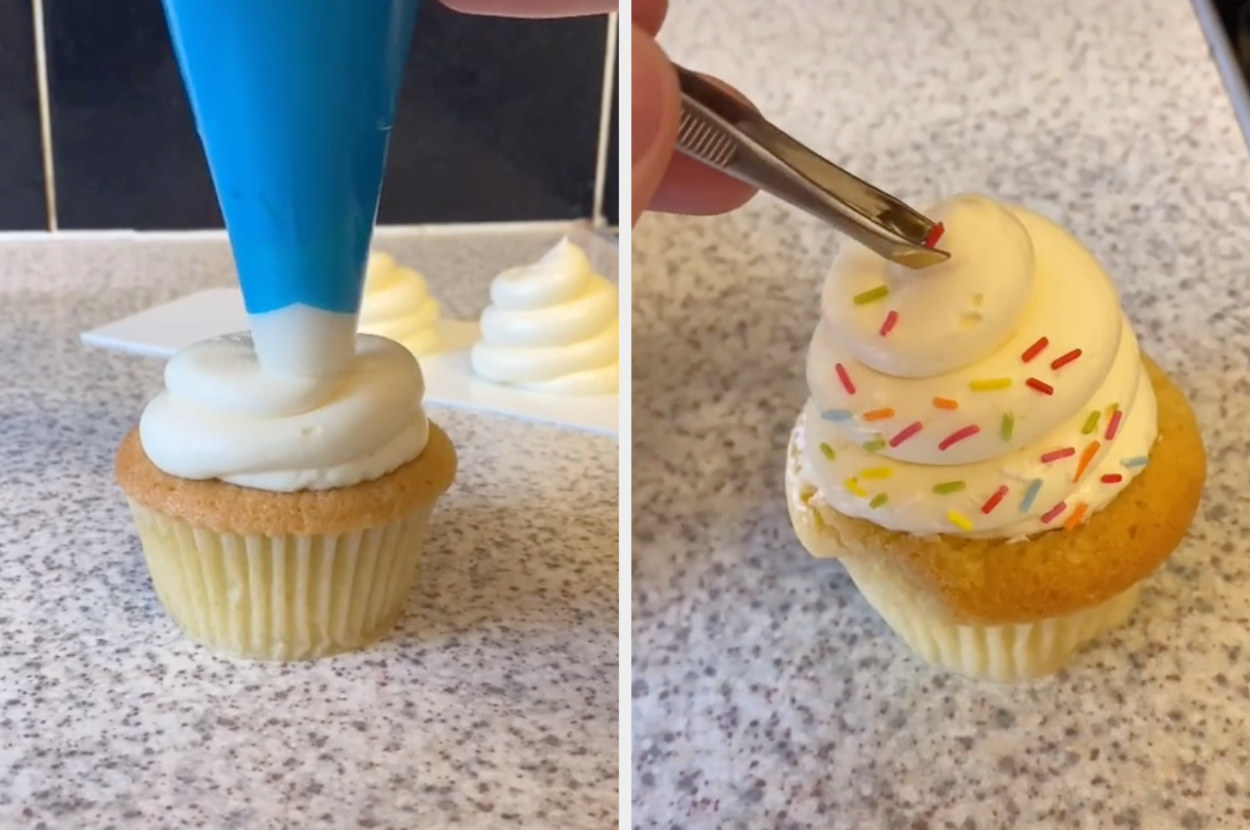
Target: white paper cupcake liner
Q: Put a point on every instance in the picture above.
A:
(281, 597)
(1003, 653)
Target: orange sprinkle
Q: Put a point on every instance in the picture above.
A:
(878, 414)
(1075, 517)
(945, 403)
(1087, 455)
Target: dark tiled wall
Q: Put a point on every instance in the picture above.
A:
(21, 159)
(611, 188)
(499, 120)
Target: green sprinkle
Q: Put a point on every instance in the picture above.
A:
(949, 487)
(872, 295)
(1091, 422)
(1009, 424)
(1136, 461)
(878, 500)
(874, 445)
(827, 451)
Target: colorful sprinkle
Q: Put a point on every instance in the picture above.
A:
(1113, 426)
(1091, 422)
(993, 500)
(845, 378)
(876, 472)
(827, 451)
(878, 414)
(958, 435)
(945, 403)
(935, 233)
(874, 445)
(958, 519)
(1008, 426)
(1064, 359)
(1087, 455)
(1034, 350)
(905, 433)
(1136, 461)
(1040, 386)
(1053, 512)
(989, 385)
(878, 500)
(1055, 455)
(872, 295)
(852, 487)
(1113, 408)
(1077, 515)
(949, 487)
(1112, 478)
(836, 415)
(1026, 504)
(891, 320)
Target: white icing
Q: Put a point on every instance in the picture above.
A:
(1067, 298)
(222, 415)
(397, 304)
(304, 341)
(551, 326)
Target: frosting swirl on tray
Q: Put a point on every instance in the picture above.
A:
(1000, 393)
(222, 416)
(397, 304)
(552, 326)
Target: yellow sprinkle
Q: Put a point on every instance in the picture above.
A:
(989, 385)
(1091, 423)
(852, 487)
(958, 519)
(872, 295)
(827, 451)
(876, 472)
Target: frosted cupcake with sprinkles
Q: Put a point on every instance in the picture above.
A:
(985, 448)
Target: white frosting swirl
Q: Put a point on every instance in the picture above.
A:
(397, 304)
(551, 326)
(941, 424)
(221, 416)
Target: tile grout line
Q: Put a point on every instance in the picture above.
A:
(605, 124)
(45, 113)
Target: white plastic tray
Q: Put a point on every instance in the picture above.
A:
(449, 379)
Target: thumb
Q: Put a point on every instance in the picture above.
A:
(656, 111)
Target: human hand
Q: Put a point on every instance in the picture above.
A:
(662, 180)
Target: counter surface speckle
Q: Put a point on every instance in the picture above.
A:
(766, 693)
(493, 704)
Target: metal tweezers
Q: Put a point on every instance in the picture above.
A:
(719, 131)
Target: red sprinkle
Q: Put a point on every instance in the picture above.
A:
(845, 378)
(1053, 512)
(1113, 426)
(1064, 359)
(1040, 386)
(934, 235)
(1034, 350)
(1112, 478)
(905, 433)
(958, 435)
(1055, 455)
(891, 319)
(993, 500)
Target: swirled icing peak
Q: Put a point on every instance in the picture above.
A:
(222, 416)
(1000, 393)
(551, 326)
(397, 304)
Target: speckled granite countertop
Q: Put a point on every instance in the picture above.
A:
(493, 705)
(765, 692)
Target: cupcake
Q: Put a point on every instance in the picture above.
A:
(282, 517)
(397, 304)
(985, 449)
(551, 327)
